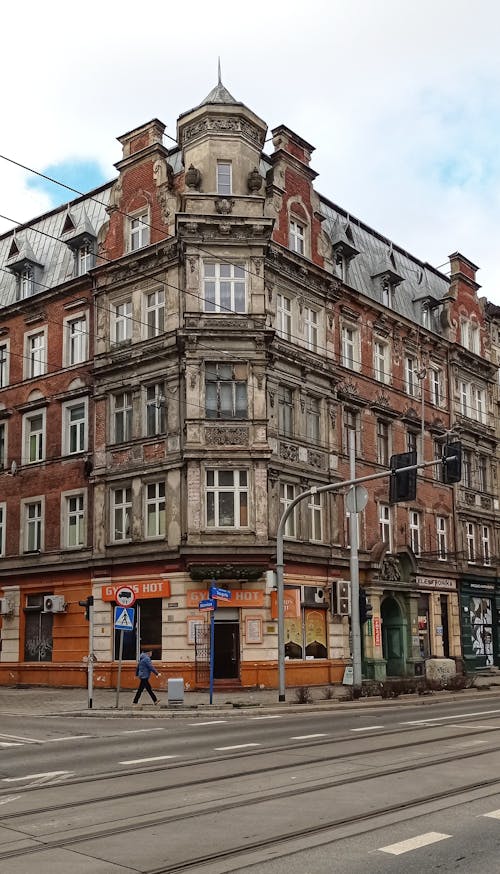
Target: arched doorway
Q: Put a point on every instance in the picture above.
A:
(393, 637)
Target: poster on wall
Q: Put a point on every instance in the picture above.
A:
(253, 629)
(315, 622)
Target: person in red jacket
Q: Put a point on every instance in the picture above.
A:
(144, 670)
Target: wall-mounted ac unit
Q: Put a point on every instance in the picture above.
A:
(6, 607)
(313, 595)
(53, 604)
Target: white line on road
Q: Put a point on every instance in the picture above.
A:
(236, 747)
(139, 730)
(29, 740)
(211, 722)
(9, 798)
(256, 718)
(150, 759)
(367, 728)
(414, 843)
(307, 736)
(494, 814)
(47, 774)
(10, 744)
(467, 743)
(455, 716)
(55, 740)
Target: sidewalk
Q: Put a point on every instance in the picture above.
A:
(43, 701)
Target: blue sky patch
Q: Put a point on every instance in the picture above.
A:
(80, 175)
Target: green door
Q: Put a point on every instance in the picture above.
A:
(393, 638)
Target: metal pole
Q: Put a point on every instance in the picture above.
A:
(119, 677)
(90, 664)
(212, 642)
(354, 568)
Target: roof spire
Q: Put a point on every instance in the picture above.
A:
(220, 79)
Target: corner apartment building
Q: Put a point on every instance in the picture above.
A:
(212, 331)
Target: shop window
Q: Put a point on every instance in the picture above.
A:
(423, 626)
(37, 630)
(146, 634)
(306, 635)
(481, 620)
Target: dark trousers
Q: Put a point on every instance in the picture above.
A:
(144, 684)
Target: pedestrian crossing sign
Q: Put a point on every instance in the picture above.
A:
(124, 618)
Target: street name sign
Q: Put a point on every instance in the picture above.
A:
(223, 594)
(207, 604)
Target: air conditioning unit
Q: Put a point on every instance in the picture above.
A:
(341, 598)
(312, 595)
(53, 604)
(6, 607)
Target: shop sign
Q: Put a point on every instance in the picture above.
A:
(376, 630)
(144, 589)
(482, 586)
(291, 602)
(435, 583)
(239, 598)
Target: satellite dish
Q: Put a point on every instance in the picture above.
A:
(13, 468)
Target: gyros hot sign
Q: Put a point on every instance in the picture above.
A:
(125, 596)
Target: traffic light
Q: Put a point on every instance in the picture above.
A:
(403, 486)
(87, 603)
(452, 463)
(365, 608)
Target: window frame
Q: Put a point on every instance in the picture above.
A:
(157, 502)
(69, 359)
(349, 347)
(415, 532)
(412, 383)
(296, 236)
(155, 409)
(79, 513)
(39, 435)
(486, 544)
(385, 525)
(311, 328)
(284, 316)
(37, 522)
(236, 281)
(3, 528)
(84, 258)
(442, 537)
(35, 367)
(315, 511)
(122, 321)
(381, 367)
(221, 388)
(224, 188)
(470, 539)
(139, 231)
(287, 493)
(4, 433)
(80, 427)
(313, 420)
(240, 491)
(123, 413)
(286, 411)
(124, 507)
(154, 313)
(383, 442)
(4, 363)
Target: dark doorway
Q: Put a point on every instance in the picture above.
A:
(226, 650)
(444, 623)
(393, 638)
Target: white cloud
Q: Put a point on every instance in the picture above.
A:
(398, 96)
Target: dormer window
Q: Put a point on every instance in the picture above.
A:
(224, 178)
(84, 256)
(26, 282)
(387, 293)
(296, 237)
(25, 266)
(79, 235)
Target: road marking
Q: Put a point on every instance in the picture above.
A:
(367, 728)
(139, 730)
(235, 747)
(455, 716)
(54, 740)
(307, 736)
(211, 722)
(9, 798)
(467, 743)
(256, 718)
(10, 744)
(29, 740)
(494, 814)
(414, 843)
(150, 759)
(35, 776)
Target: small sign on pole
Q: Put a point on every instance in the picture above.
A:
(207, 604)
(124, 621)
(222, 594)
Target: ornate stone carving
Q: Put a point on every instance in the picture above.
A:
(381, 399)
(289, 452)
(192, 263)
(254, 181)
(193, 177)
(223, 436)
(271, 398)
(224, 205)
(273, 476)
(316, 459)
(469, 498)
(485, 502)
(349, 387)
(257, 265)
(390, 569)
(225, 228)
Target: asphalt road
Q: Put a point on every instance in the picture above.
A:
(379, 789)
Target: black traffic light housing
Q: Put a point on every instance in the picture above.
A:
(365, 608)
(87, 603)
(452, 463)
(403, 486)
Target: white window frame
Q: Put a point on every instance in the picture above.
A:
(381, 366)
(4, 430)
(387, 294)
(74, 517)
(313, 420)
(385, 525)
(284, 316)
(239, 489)
(296, 236)
(154, 312)
(224, 181)
(350, 417)
(469, 335)
(155, 409)
(486, 544)
(124, 412)
(350, 347)
(311, 327)
(442, 538)
(217, 275)
(383, 442)
(4, 363)
(415, 532)
(138, 230)
(288, 492)
(121, 507)
(464, 398)
(77, 428)
(482, 472)
(412, 386)
(286, 411)
(478, 399)
(470, 537)
(75, 348)
(315, 509)
(3, 527)
(436, 386)
(33, 524)
(122, 321)
(27, 282)
(155, 510)
(84, 258)
(35, 361)
(34, 440)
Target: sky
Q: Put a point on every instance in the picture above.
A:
(401, 99)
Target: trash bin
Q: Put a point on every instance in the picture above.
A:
(175, 690)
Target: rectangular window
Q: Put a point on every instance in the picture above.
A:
(226, 391)
(467, 468)
(84, 258)
(121, 510)
(38, 630)
(412, 441)
(385, 525)
(76, 340)
(436, 386)
(3, 445)
(4, 365)
(464, 398)
(350, 427)
(470, 535)
(139, 232)
(485, 544)
(123, 417)
(315, 508)
(224, 180)
(226, 498)
(438, 455)
(469, 336)
(287, 494)
(387, 294)
(75, 427)
(296, 237)
(411, 378)
(33, 526)
(284, 317)
(415, 531)
(383, 447)
(224, 288)
(350, 347)
(34, 437)
(285, 411)
(155, 409)
(36, 355)
(75, 520)
(26, 283)
(381, 361)
(311, 328)
(441, 535)
(3, 511)
(482, 473)
(155, 509)
(122, 321)
(155, 313)
(479, 405)
(313, 420)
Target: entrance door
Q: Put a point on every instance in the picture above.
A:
(226, 650)
(393, 638)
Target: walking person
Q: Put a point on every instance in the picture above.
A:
(144, 670)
